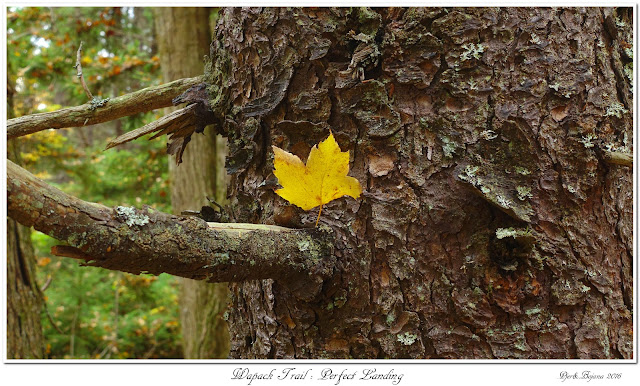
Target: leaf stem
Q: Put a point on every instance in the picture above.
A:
(319, 213)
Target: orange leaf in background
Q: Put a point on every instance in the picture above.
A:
(115, 71)
(44, 261)
(322, 180)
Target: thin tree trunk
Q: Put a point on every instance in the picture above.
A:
(491, 224)
(183, 39)
(24, 299)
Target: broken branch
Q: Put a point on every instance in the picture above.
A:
(147, 99)
(147, 241)
(618, 158)
(160, 125)
(78, 67)
(180, 124)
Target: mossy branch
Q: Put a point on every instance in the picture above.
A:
(144, 100)
(147, 241)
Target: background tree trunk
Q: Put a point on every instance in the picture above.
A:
(490, 225)
(183, 40)
(24, 299)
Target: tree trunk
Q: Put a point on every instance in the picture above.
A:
(491, 223)
(24, 299)
(183, 39)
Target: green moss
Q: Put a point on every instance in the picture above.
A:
(303, 245)
(369, 20)
(97, 102)
(391, 317)
(616, 109)
(131, 217)
(503, 201)
(407, 339)
(221, 258)
(502, 233)
(471, 50)
(587, 140)
(533, 311)
(471, 170)
(628, 71)
(339, 301)
(535, 39)
(524, 192)
(488, 135)
(217, 73)
(521, 345)
(448, 147)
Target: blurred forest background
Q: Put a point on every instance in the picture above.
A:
(91, 312)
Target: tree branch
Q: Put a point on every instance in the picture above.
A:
(147, 241)
(160, 126)
(147, 99)
(78, 67)
(618, 158)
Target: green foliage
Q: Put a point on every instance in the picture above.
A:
(42, 45)
(107, 314)
(122, 177)
(97, 313)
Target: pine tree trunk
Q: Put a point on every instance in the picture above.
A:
(492, 223)
(183, 40)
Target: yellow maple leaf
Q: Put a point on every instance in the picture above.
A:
(323, 179)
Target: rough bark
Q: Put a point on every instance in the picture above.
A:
(147, 99)
(183, 38)
(24, 299)
(491, 225)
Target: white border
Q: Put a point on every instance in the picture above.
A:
(423, 372)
